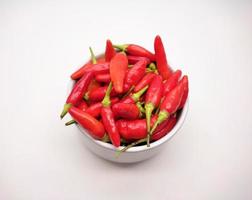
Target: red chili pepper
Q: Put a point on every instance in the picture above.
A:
(99, 68)
(171, 82)
(118, 68)
(95, 109)
(103, 78)
(94, 127)
(136, 50)
(186, 90)
(82, 105)
(134, 75)
(169, 105)
(144, 82)
(88, 66)
(153, 97)
(134, 97)
(99, 93)
(133, 129)
(108, 119)
(77, 92)
(162, 65)
(92, 86)
(110, 51)
(126, 110)
(164, 128)
(134, 59)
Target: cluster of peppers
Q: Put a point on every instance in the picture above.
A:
(128, 96)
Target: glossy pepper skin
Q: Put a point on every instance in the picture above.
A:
(95, 109)
(92, 86)
(162, 65)
(170, 104)
(118, 69)
(99, 68)
(103, 78)
(89, 66)
(134, 74)
(134, 59)
(144, 82)
(109, 51)
(77, 92)
(99, 93)
(136, 50)
(94, 127)
(126, 110)
(108, 119)
(82, 105)
(153, 97)
(86, 67)
(172, 82)
(186, 90)
(133, 129)
(164, 128)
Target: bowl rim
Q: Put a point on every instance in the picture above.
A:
(137, 148)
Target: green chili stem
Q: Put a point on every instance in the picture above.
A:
(129, 146)
(122, 47)
(136, 96)
(93, 58)
(106, 100)
(67, 106)
(70, 122)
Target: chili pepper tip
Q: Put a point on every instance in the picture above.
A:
(65, 110)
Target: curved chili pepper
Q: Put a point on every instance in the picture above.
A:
(134, 59)
(88, 66)
(94, 127)
(172, 82)
(153, 97)
(110, 51)
(95, 109)
(126, 110)
(134, 97)
(134, 75)
(99, 93)
(164, 128)
(186, 90)
(170, 104)
(92, 86)
(144, 82)
(118, 68)
(108, 118)
(77, 92)
(99, 68)
(162, 65)
(82, 106)
(136, 50)
(133, 129)
(103, 78)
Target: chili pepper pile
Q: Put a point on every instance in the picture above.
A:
(128, 96)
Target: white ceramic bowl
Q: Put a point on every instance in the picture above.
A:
(134, 154)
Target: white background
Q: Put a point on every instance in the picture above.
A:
(41, 43)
